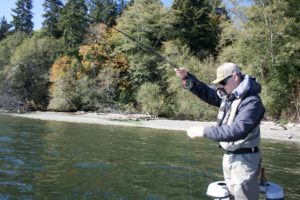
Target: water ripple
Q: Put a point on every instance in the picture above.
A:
(5, 197)
(5, 139)
(93, 165)
(21, 186)
(13, 161)
(166, 167)
(8, 172)
(6, 150)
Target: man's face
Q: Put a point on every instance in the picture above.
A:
(230, 83)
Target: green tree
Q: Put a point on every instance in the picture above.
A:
(27, 73)
(73, 24)
(267, 45)
(103, 11)
(7, 47)
(52, 10)
(197, 24)
(22, 17)
(4, 28)
(151, 29)
(64, 78)
(98, 93)
(121, 5)
(103, 81)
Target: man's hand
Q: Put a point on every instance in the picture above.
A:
(195, 131)
(181, 72)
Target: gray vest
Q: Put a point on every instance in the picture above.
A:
(252, 139)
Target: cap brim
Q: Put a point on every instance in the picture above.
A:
(218, 80)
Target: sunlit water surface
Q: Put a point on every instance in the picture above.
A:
(58, 160)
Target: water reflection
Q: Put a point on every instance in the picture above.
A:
(56, 160)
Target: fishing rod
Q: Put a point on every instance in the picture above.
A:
(175, 66)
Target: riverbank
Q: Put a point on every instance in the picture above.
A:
(268, 129)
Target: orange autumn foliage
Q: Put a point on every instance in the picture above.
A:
(99, 55)
(93, 56)
(60, 68)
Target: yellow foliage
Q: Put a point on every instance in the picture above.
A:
(120, 62)
(96, 56)
(93, 56)
(60, 67)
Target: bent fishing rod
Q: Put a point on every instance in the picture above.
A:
(149, 49)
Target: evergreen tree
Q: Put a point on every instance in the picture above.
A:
(148, 27)
(103, 11)
(197, 25)
(121, 4)
(73, 24)
(22, 20)
(52, 16)
(4, 27)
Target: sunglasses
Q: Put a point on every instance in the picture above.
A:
(224, 82)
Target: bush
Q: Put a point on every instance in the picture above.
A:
(150, 99)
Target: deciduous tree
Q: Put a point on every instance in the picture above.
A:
(104, 73)
(63, 78)
(266, 44)
(27, 73)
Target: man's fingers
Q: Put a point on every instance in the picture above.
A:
(181, 72)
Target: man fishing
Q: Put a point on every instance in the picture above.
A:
(237, 130)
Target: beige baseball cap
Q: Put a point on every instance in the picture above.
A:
(226, 70)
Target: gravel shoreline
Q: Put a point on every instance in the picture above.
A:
(292, 134)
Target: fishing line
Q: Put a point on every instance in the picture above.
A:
(190, 168)
(149, 49)
(175, 66)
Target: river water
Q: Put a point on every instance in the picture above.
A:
(59, 160)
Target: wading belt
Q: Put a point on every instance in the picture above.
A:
(242, 151)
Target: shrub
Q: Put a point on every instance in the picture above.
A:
(150, 99)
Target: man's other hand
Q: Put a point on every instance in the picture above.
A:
(195, 131)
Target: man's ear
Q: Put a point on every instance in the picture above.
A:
(235, 77)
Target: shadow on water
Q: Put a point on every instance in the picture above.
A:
(57, 160)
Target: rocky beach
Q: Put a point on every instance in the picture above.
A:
(269, 130)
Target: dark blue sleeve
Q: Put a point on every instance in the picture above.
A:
(205, 92)
(249, 115)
